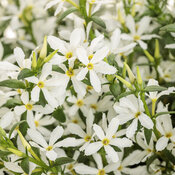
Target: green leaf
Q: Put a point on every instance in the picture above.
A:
(163, 113)
(168, 28)
(25, 165)
(148, 134)
(169, 156)
(57, 69)
(25, 73)
(11, 103)
(82, 5)
(66, 13)
(98, 21)
(14, 127)
(12, 83)
(4, 153)
(111, 60)
(62, 161)
(154, 88)
(59, 115)
(42, 100)
(115, 89)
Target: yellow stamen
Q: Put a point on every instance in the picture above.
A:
(137, 114)
(69, 55)
(29, 106)
(90, 66)
(87, 138)
(101, 172)
(90, 57)
(36, 123)
(168, 135)
(80, 103)
(40, 84)
(105, 141)
(49, 148)
(136, 37)
(94, 106)
(70, 72)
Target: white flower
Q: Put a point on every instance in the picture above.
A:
(106, 140)
(155, 95)
(94, 63)
(87, 136)
(164, 126)
(45, 85)
(40, 142)
(131, 108)
(100, 170)
(138, 30)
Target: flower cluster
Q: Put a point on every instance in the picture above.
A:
(87, 87)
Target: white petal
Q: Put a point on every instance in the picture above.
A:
(95, 42)
(113, 155)
(112, 127)
(50, 4)
(161, 143)
(98, 131)
(35, 94)
(146, 121)
(50, 99)
(75, 37)
(130, 23)
(100, 55)
(76, 129)
(95, 81)
(79, 87)
(104, 68)
(25, 97)
(37, 137)
(170, 46)
(127, 37)
(55, 135)
(52, 155)
(142, 44)
(98, 160)
(19, 55)
(32, 79)
(46, 70)
(93, 148)
(84, 169)
(82, 55)
(6, 119)
(13, 167)
(73, 110)
(81, 75)
(121, 142)
(19, 109)
(143, 25)
(115, 40)
(132, 128)
(69, 142)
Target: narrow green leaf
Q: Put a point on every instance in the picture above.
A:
(163, 113)
(25, 73)
(11, 103)
(66, 13)
(168, 28)
(62, 161)
(154, 88)
(98, 21)
(12, 83)
(25, 165)
(82, 5)
(148, 134)
(59, 115)
(57, 69)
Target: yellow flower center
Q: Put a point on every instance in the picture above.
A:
(90, 66)
(70, 72)
(137, 114)
(136, 37)
(75, 121)
(69, 55)
(168, 135)
(36, 123)
(105, 141)
(40, 84)
(29, 106)
(101, 172)
(149, 150)
(70, 167)
(80, 103)
(90, 57)
(120, 168)
(19, 91)
(94, 106)
(49, 148)
(87, 138)
(88, 88)
(167, 76)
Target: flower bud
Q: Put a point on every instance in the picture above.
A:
(50, 56)
(157, 50)
(43, 52)
(16, 152)
(149, 56)
(131, 75)
(126, 83)
(139, 78)
(34, 63)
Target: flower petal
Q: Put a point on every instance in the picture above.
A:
(95, 81)
(112, 154)
(93, 148)
(161, 143)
